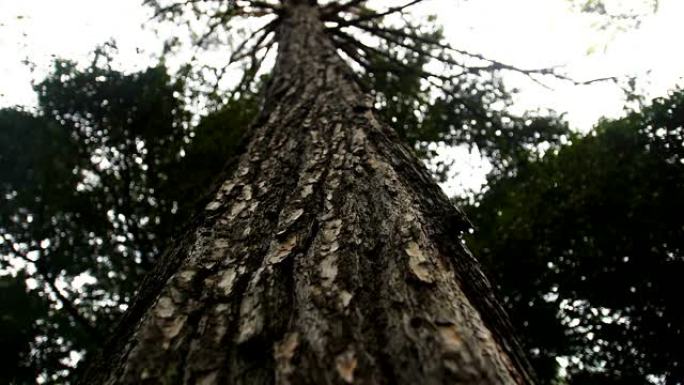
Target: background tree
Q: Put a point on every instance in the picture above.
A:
(95, 182)
(586, 245)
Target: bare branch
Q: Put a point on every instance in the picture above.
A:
(250, 73)
(396, 65)
(212, 27)
(373, 16)
(333, 9)
(353, 53)
(493, 65)
(73, 311)
(252, 52)
(264, 5)
(264, 31)
(68, 306)
(168, 8)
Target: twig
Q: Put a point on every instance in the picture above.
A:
(378, 15)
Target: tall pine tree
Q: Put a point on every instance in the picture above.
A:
(329, 255)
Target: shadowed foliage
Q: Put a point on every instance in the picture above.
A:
(95, 181)
(586, 245)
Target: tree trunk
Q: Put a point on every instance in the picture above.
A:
(329, 256)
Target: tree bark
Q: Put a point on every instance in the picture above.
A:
(329, 256)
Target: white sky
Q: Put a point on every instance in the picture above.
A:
(526, 33)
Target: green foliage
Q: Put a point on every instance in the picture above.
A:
(587, 245)
(95, 183)
(19, 310)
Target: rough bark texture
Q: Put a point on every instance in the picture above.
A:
(329, 257)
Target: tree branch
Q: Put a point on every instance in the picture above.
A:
(333, 9)
(264, 5)
(171, 7)
(397, 64)
(73, 311)
(265, 30)
(255, 64)
(68, 306)
(494, 65)
(372, 16)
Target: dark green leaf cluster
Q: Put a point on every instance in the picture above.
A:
(587, 246)
(94, 183)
